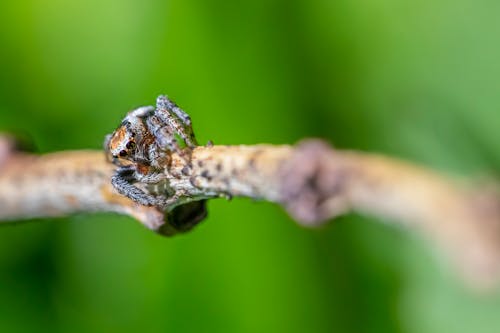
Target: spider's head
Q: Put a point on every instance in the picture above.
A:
(120, 146)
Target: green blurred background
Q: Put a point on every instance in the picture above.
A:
(418, 80)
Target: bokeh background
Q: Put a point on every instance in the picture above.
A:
(418, 80)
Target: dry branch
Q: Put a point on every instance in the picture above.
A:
(312, 181)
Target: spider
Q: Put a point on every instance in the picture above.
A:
(141, 147)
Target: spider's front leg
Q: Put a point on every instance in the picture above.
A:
(176, 120)
(164, 137)
(123, 181)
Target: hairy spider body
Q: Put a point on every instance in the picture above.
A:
(141, 147)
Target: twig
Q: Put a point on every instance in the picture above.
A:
(312, 181)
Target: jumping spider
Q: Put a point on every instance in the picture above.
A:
(141, 147)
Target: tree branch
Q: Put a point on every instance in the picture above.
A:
(312, 181)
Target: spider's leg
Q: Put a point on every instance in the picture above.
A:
(107, 140)
(123, 180)
(176, 118)
(163, 102)
(164, 135)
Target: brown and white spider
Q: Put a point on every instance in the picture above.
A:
(141, 147)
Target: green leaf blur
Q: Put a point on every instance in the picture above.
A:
(418, 80)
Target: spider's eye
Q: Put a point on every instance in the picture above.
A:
(123, 153)
(130, 145)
